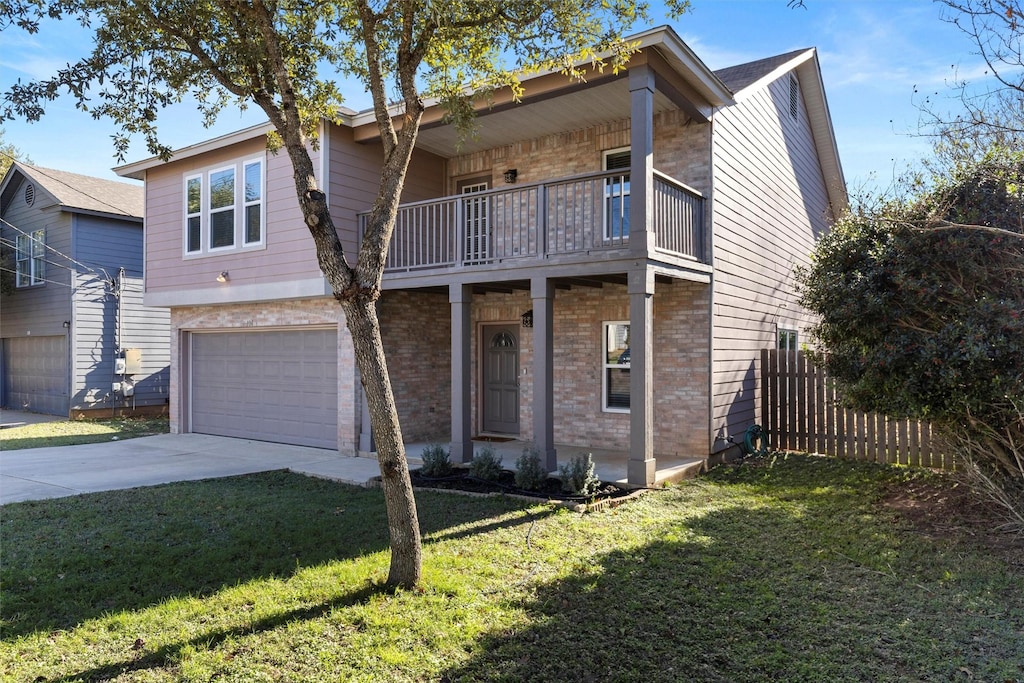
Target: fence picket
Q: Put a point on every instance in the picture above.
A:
(801, 410)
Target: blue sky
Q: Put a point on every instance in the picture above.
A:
(874, 54)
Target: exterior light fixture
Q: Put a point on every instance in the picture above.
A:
(511, 175)
(527, 318)
(223, 277)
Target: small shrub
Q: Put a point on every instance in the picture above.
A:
(578, 476)
(436, 461)
(486, 464)
(530, 473)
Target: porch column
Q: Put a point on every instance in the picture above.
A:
(641, 174)
(543, 292)
(460, 297)
(641, 467)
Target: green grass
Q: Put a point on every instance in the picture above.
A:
(72, 432)
(788, 572)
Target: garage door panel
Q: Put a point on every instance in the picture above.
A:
(36, 373)
(273, 386)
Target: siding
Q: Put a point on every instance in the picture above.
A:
(769, 205)
(289, 254)
(354, 179)
(101, 327)
(39, 310)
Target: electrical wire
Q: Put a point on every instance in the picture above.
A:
(43, 172)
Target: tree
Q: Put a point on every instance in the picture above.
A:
(279, 56)
(994, 110)
(921, 305)
(9, 154)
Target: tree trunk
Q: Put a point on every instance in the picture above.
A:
(403, 524)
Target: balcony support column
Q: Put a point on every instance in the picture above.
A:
(641, 201)
(641, 467)
(461, 298)
(543, 292)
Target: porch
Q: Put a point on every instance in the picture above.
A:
(574, 220)
(609, 465)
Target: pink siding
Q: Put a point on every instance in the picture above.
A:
(769, 205)
(354, 178)
(289, 252)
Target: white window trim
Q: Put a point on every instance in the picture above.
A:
(607, 196)
(239, 207)
(605, 366)
(36, 265)
(792, 336)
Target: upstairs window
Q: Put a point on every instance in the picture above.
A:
(224, 208)
(30, 268)
(616, 194)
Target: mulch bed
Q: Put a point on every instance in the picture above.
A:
(608, 495)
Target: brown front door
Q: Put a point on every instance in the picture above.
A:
(501, 379)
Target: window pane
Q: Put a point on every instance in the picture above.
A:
(38, 244)
(617, 381)
(222, 229)
(24, 247)
(194, 189)
(222, 188)
(252, 224)
(193, 233)
(253, 187)
(617, 344)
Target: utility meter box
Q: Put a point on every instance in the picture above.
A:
(133, 361)
(119, 366)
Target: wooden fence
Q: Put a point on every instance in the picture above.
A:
(801, 412)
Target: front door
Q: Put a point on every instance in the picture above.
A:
(501, 379)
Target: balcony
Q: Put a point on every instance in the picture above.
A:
(579, 217)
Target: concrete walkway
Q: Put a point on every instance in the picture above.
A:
(38, 473)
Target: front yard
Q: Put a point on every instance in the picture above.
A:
(789, 569)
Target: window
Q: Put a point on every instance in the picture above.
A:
(788, 339)
(224, 208)
(616, 195)
(30, 266)
(615, 358)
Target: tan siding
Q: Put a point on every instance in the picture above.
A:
(769, 204)
(289, 253)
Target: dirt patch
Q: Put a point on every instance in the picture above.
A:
(942, 508)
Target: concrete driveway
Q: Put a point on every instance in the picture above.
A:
(37, 473)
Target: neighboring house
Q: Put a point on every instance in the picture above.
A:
(76, 338)
(599, 265)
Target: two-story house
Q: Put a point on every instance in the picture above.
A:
(76, 337)
(598, 266)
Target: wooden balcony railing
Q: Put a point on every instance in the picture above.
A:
(574, 215)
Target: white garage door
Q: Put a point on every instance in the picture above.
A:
(279, 386)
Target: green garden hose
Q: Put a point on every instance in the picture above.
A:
(755, 441)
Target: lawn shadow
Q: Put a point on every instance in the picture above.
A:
(209, 640)
(745, 594)
(71, 559)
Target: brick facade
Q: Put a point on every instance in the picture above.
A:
(414, 322)
(269, 316)
(682, 150)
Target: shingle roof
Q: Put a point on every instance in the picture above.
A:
(86, 193)
(740, 76)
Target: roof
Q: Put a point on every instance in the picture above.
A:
(738, 77)
(81, 193)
